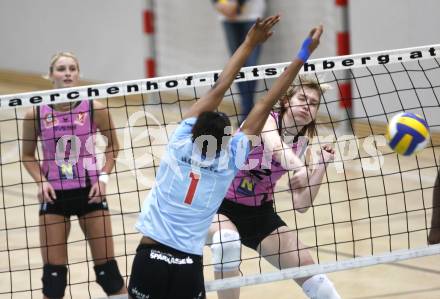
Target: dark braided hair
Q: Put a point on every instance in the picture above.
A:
(213, 124)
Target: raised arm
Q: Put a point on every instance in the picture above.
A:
(282, 152)
(259, 33)
(257, 117)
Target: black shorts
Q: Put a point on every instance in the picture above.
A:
(161, 272)
(254, 224)
(72, 202)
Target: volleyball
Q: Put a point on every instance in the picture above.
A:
(407, 133)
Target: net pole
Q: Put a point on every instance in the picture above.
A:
(342, 49)
(149, 31)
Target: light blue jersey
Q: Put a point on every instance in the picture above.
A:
(188, 190)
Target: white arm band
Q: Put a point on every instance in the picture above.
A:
(103, 177)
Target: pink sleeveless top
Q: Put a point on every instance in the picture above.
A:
(255, 186)
(67, 163)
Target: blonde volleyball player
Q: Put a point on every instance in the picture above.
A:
(248, 214)
(194, 176)
(69, 181)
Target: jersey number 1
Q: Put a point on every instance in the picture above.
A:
(192, 188)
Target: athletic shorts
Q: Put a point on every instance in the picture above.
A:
(161, 272)
(72, 202)
(254, 224)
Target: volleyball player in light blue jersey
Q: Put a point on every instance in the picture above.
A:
(194, 176)
(190, 188)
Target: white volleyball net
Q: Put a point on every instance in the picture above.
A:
(373, 206)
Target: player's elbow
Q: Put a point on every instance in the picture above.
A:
(302, 202)
(302, 210)
(27, 156)
(280, 156)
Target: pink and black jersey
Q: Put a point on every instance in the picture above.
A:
(255, 186)
(69, 160)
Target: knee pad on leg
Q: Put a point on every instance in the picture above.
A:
(54, 280)
(109, 277)
(226, 250)
(320, 287)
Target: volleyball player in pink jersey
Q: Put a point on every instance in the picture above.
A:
(247, 214)
(69, 181)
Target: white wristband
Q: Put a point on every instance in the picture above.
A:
(103, 177)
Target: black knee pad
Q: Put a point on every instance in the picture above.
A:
(54, 280)
(109, 277)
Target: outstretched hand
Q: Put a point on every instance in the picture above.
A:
(262, 29)
(310, 43)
